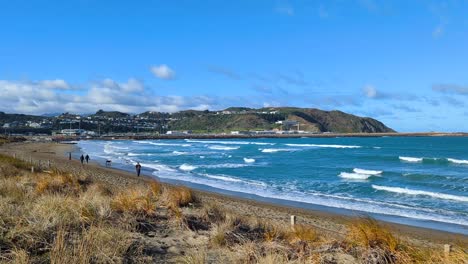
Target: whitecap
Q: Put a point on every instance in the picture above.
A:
(410, 159)
(273, 150)
(158, 167)
(322, 146)
(419, 192)
(187, 167)
(175, 152)
(225, 165)
(457, 161)
(368, 172)
(247, 160)
(228, 142)
(223, 148)
(354, 176)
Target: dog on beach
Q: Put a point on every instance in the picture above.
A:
(108, 163)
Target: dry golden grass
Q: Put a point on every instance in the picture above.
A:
(367, 232)
(302, 233)
(136, 200)
(213, 213)
(94, 245)
(155, 188)
(57, 183)
(194, 256)
(18, 164)
(178, 196)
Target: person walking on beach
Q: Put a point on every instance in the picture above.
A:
(138, 168)
(87, 158)
(82, 158)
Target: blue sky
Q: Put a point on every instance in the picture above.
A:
(402, 62)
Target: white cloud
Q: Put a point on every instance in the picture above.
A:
(163, 72)
(370, 91)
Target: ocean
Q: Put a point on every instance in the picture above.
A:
(420, 181)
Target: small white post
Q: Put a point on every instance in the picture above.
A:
(293, 220)
(447, 249)
(14, 155)
(32, 169)
(48, 163)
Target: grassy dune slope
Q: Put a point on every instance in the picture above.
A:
(61, 217)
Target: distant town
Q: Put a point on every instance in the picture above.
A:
(116, 123)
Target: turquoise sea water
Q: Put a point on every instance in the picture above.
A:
(421, 179)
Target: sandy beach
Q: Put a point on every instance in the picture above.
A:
(328, 222)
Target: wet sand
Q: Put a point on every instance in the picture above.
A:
(331, 223)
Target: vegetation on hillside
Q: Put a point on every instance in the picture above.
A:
(57, 217)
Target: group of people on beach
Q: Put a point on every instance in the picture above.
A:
(83, 158)
(86, 158)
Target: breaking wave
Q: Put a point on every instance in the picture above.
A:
(322, 146)
(354, 176)
(187, 167)
(247, 160)
(410, 159)
(367, 172)
(419, 192)
(223, 148)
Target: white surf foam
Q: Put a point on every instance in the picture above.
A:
(228, 142)
(368, 172)
(419, 192)
(247, 160)
(158, 167)
(273, 150)
(163, 144)
(322, 146)
(223, 148)
(225, 165)
(354, 176)
(131, 154)
(410, 159)
(175, 152)
(187, 167)
(457, 161)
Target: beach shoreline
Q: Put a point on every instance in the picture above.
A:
(327, 221)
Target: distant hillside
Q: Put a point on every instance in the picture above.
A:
(110, 114)
(230, 119)
(8, 118)
(314, 120)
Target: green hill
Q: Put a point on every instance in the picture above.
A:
(313, 120)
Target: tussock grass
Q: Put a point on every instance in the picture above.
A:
(179, 196)
(367, 232)
(136, 201)
(94, 245)
(57, 183)
(302, 233)
(194, 256)
(10, 166)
